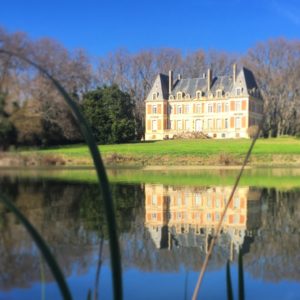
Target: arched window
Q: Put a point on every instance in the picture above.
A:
(179, 96)
(198, 94)
(219, 93)
(187, 96)
(171, 97)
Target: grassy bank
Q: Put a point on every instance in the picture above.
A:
(279, 151)
(285, 178)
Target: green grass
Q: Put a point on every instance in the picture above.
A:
(285, 145)
(279, 178)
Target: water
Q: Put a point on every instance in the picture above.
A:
(165, 230)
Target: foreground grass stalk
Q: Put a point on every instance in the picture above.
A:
(219, 226)
(115, 256)
(228, 282)
(53, 265)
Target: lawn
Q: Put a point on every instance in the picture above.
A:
(275, 151)
(284, 145)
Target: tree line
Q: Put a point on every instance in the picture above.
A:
(112, 88)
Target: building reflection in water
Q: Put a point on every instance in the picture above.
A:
(188, 217)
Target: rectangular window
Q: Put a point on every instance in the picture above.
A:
(219, 107)
(226, 123)
(238, 91)
(170, 108)
(187, 125)
(154, 109)
(198, 108)
(154, 199)
(187, 109)
(237, 105)
(210, 108)
(197, 199)
(179, 109)
(219, 123)
(179, 125)
(226, 106)
(237, 122)
(209, 123)
(154, 125)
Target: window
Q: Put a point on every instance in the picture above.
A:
(219, 93)
(154, 199)
(179, 96)
(187, 96)
(170, 108)
(187, 125)
(208, 217)
(237, 122)
(219, 123)
(210, 108)
(198, 199)
(187, 109)
(179, 125)
(219, 107)
(238, 91)
(153, 216)
(226, 123)
(237, 105)
(154, 125)
(171, 97)
(154, 109)
(198, 94)
(179, 109)
(226, 106)
(236, 203)
(199, 108)
(210, 123)
(154, 96)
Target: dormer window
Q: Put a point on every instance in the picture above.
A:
(154, 96)
(171, 97)
(179, 96)
(210, 95)
(219, 93)
(238, 91)
(198, 94)
(187, 96)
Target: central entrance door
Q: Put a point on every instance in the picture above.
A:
(198, 125)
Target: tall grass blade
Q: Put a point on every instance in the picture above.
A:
(228, 282)
(58, 275)
(42, 271)
(241, 277)
(115, 257)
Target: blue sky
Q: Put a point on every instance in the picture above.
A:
(101, 26)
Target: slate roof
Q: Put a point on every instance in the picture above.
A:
(164, 79)
(192, 85)
(225, 83)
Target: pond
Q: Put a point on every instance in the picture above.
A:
(166, 220)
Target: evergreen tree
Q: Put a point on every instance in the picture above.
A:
(110, 113)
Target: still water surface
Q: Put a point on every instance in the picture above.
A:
(164, 229)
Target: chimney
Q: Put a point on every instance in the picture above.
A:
(170, 81)
(234, 73)
(178, 76)
(209, 78)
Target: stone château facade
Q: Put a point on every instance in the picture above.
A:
(219, 107)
